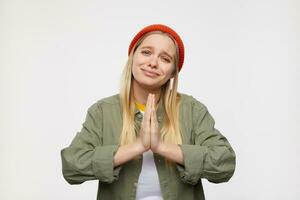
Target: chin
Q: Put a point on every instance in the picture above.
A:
(148, 84)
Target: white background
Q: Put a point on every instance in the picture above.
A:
(59, 57)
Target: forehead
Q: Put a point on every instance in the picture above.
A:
(159, 42)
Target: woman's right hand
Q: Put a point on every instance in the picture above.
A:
(144, 137)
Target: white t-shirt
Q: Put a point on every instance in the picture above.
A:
(148, 187)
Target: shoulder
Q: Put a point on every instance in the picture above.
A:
(111, 100)
(187, 100)
(193, 109)
(108, 101)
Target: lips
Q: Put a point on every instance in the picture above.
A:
(149, 73)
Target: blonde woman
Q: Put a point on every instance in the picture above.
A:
(149, 141)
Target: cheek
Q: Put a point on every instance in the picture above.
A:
(137, 59)
(134, 67)
(134, 63)
(169, 70)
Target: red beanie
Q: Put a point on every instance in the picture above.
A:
(163, 28)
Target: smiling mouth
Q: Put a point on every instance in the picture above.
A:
(150, 74)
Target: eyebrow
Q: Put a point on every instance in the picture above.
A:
(150, 47)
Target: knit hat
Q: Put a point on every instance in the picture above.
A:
(163, 28)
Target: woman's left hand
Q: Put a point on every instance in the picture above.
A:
(154, 130)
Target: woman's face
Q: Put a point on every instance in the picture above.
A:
(153, 61)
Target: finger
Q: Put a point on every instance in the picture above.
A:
(146, 115)
(152, 123)
(148, 108)
(154, 126)
(147, 126)
(153, 102)
(153, 107)
(154, 118)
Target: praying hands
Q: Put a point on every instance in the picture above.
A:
(149, 132)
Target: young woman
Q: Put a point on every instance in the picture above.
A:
(149, 141)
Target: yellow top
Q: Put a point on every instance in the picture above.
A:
(140, 106)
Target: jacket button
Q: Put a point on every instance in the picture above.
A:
(139, 115)
(159, 118)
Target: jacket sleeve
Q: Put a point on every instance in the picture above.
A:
(211, 155)
(86, 158)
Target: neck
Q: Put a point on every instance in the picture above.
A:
(141, 94)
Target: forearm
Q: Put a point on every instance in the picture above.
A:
(127, 152)
(172, 152)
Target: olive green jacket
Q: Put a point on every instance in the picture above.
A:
(207, 154)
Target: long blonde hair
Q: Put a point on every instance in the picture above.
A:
(170, 131)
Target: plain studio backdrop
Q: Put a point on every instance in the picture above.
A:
(59, 57)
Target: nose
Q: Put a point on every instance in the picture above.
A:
(153, 61)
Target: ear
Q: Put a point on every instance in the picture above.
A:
(173, 74)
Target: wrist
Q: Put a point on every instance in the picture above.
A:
(159, 149)
(139, 148)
